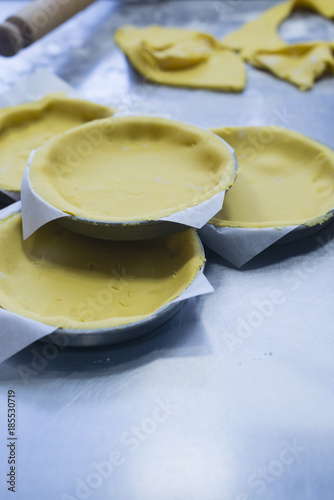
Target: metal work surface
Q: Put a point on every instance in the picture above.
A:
(232, 399)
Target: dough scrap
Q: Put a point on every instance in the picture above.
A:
(82, 283)
(26, 126)
(141, 168)
(260, 33)
(186, 58)
(300, 64)
(260, 44)
(284, 178)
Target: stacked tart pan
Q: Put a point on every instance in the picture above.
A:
(117, 260)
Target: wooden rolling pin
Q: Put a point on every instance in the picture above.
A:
(34, 21)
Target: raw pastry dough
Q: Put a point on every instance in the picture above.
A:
(300, 64)
(174, 56)
(260, 33)
(27, 126)
(260, 44)
(131, 169)
(284, 178)
(71, 281)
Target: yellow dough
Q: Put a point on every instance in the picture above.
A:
(71, 281)
(260, 33)
(131, 169)
(300, 64)
(284, 178)
(180, 57)
(260, 44)
(27, 126)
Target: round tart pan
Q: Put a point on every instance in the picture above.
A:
(117, 335)
(140, 172)
(107, 334)
(283, 171)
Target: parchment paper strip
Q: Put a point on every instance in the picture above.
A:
(35, 87)
(239, 245)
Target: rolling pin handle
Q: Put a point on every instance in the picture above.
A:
(11, 39)
(34, 21)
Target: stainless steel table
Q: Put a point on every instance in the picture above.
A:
(233, 398)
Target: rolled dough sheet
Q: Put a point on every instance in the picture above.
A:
(300, 64)
(260, 44)
(186, 58)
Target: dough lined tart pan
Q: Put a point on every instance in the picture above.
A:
(117, 178)
(97, 292)
(26, 126)
(284, 179)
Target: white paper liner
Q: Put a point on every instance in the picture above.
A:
(200, 286)
(37, 212)
(17, 332)
(33, 88)
(238, 245)
(198, 216)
